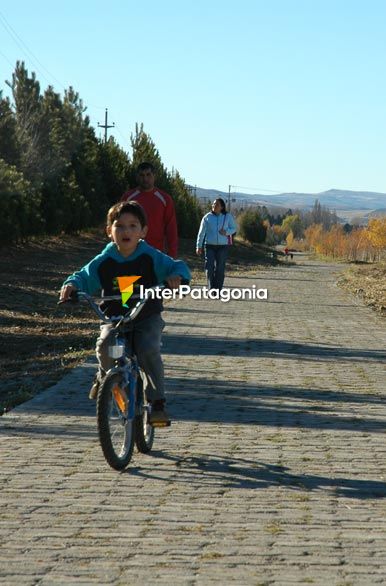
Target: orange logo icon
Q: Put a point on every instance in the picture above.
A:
(126, 287)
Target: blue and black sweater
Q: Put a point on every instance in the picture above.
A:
(101, 273)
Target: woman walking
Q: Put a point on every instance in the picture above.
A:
(216, 230)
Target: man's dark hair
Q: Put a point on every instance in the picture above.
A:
(146, 166)
(126, 207)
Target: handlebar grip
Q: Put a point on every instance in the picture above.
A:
(74, 298)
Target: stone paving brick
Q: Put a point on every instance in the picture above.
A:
(273, 472)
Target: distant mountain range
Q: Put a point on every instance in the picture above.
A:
(334, 199)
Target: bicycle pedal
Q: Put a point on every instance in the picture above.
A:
(161, 424)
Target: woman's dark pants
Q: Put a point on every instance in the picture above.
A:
(215, 258)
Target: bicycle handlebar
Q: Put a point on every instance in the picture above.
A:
(123, 318)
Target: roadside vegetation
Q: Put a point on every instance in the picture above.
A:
(56, 176)
(363, 244)
(319, 232)
(363, 247)
(367, 281)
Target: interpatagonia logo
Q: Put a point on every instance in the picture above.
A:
(126, 287)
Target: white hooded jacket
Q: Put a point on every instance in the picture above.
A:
(210, 227)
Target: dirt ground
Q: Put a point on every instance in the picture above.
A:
(40, 341)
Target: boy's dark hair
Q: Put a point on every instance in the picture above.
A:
(146, 166)
(126, 207)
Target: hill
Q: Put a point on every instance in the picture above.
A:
(334, 199)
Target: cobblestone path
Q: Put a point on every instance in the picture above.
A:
(273, 472)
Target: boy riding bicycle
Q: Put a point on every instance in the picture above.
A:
(127, 256)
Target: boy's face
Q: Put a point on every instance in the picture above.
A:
(125, 232)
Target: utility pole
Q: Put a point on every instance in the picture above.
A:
(106, 126)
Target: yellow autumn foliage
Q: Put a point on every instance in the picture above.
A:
(365, 244)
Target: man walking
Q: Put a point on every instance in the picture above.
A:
(159, 209)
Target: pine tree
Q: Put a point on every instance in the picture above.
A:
(28, 114)
(115, 169)
(19, 206)
(9, 147)
(144, 150)
(187, 209)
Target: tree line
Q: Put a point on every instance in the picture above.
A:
(57, 176)
(258, 224)
(359, 244)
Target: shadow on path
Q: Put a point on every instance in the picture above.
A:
(206, 401)
(283, 407)
(210, 469)
(255, 347)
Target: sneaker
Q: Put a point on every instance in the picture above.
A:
(158, 415)
(94, 389)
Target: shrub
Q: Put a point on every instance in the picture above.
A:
(252, 226)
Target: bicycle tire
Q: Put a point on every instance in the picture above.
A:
(116, 433)
(144, 432)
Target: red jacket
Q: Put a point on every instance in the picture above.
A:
(161, 217)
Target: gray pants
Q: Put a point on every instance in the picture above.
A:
(147, 345)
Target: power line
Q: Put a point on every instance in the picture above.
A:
(22, 45)
(6, 58)
(124, 138)
(30, 55)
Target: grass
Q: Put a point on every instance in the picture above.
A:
(368, 281)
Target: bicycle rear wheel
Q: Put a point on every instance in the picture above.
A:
(144, 432)
(116, 430)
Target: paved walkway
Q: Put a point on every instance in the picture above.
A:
(273, 471)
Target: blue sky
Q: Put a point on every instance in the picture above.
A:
(285, 95)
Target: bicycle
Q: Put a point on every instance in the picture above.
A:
(122, 408)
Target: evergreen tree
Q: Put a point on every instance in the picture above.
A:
(144, 149)
(9, 147)
(19, 206)
(71, 174)
(64, 179)
(29, 120)
(187, 209)
(115, 169)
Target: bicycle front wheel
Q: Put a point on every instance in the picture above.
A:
(116, 430)
(144, 432)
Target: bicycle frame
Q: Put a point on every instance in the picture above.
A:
(126, 365)
(122, 411)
